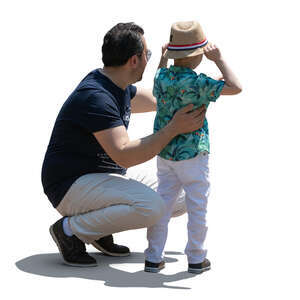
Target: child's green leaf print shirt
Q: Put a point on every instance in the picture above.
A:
(174, 88)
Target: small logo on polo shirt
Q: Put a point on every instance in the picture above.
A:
(127, 114)
(126, 118)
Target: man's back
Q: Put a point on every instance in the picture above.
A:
(96, 104)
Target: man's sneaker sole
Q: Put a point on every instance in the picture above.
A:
(66, 262)
(104, 251)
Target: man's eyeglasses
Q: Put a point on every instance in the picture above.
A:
(148, 54)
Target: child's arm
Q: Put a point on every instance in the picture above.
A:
(163, 60)
(232, 86)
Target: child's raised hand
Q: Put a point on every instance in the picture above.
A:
(164, 49)
(163, 60)
(212, 52)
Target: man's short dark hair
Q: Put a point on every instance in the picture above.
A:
(120, 43)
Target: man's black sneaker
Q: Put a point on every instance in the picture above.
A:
(106, 245)
(199, 268)
(71, 248)
(153, 267)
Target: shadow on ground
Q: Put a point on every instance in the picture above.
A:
(51, 265)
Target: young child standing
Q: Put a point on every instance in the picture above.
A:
(183, 163)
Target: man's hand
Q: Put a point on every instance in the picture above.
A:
(212, 52)
(185, 120)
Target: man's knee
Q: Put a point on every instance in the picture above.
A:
(154, 210)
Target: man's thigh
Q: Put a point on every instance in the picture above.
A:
(98, 190)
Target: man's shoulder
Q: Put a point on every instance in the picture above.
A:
(92, 86)
(93, 81)
(87, 96)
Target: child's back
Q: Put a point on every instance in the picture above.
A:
(174, 88)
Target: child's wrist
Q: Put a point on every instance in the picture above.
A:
(163, 63)
(219, 60)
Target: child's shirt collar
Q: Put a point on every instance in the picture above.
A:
(176, 69)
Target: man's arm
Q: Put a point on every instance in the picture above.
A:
(115, 141)
(232, 85)
(143, 101)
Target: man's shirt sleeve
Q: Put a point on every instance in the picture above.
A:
(132, 91)
(100, 112)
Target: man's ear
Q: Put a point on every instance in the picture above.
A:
(133, 61)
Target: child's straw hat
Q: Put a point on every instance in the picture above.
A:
(186, 39)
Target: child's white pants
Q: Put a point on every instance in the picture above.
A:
(173, 176)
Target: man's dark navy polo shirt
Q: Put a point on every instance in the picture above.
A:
(96, 104)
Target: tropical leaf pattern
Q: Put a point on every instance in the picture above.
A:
(174, 88)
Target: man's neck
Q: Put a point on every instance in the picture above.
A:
(118, 75)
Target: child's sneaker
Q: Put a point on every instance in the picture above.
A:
(153, 267)
(199, 268)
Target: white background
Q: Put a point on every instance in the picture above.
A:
(47, 47)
